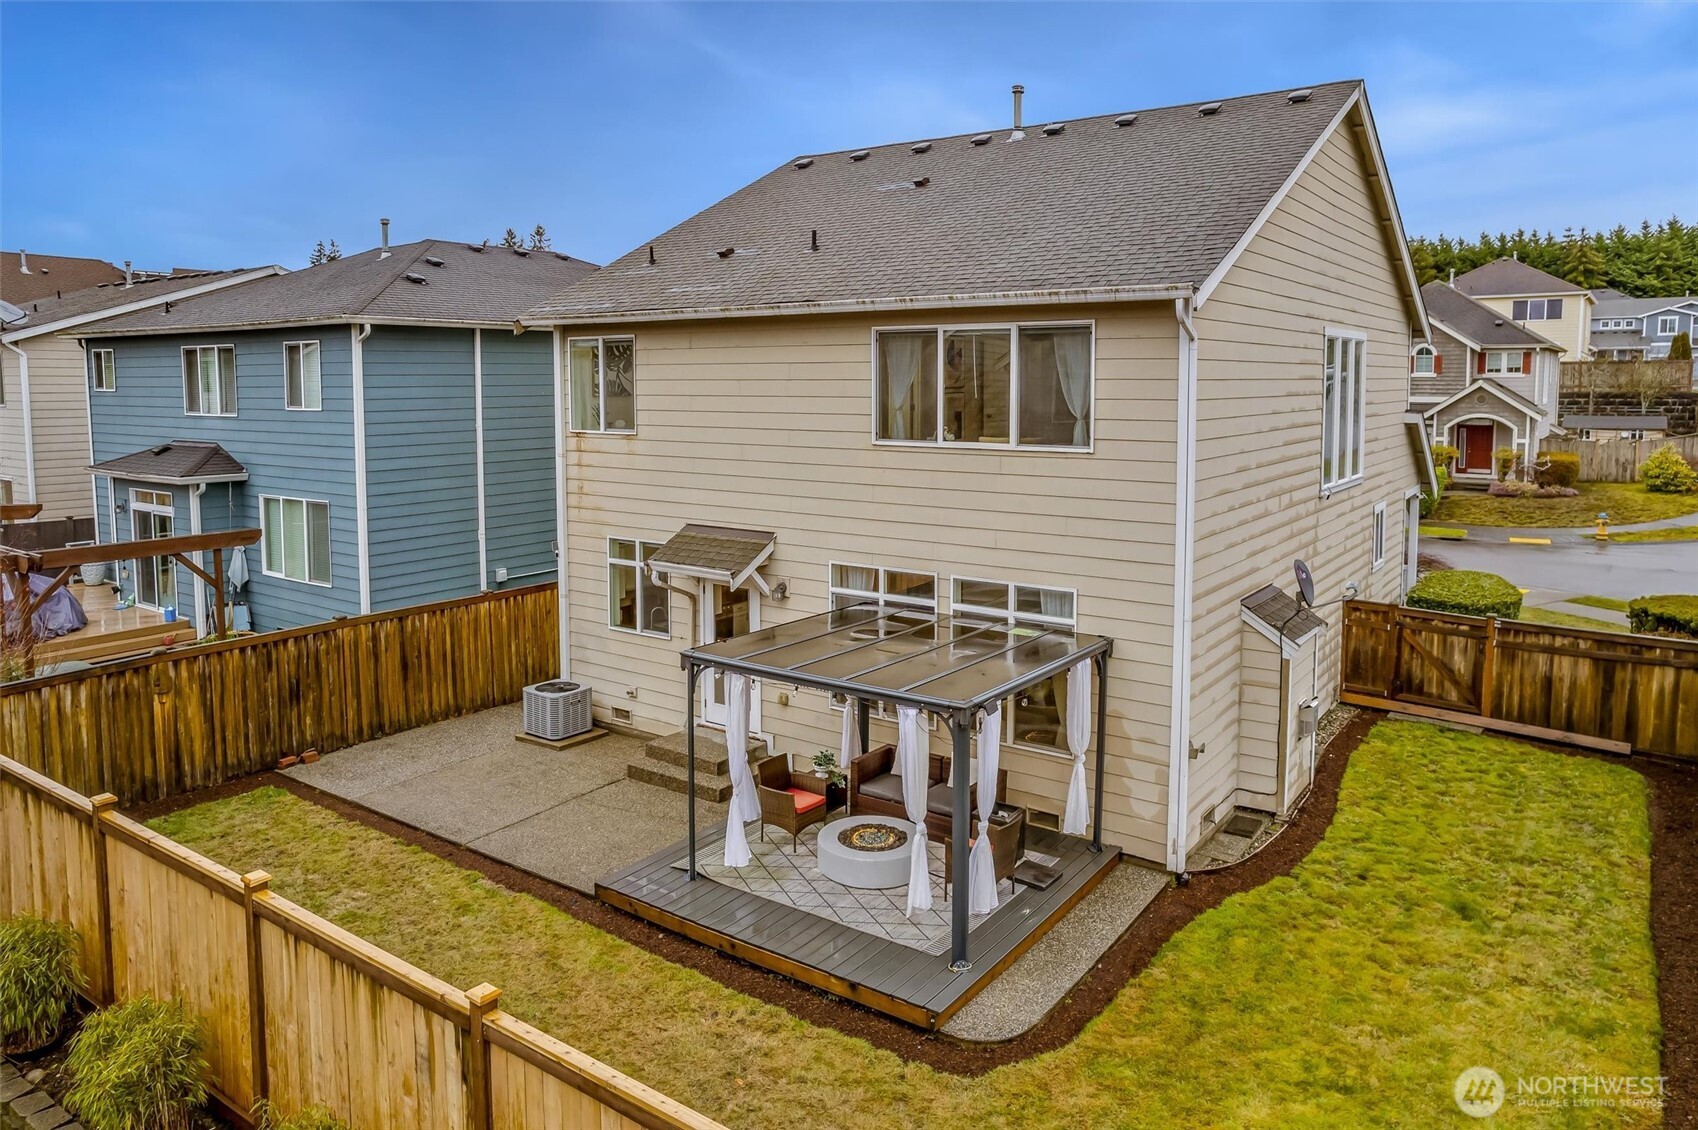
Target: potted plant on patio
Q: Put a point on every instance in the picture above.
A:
(825, 765)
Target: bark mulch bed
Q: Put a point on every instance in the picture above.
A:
(1674, 921)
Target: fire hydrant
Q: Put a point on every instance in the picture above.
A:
(1603, 533)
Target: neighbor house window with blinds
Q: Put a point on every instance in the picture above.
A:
(209, 380)
(303, 386)
(105, 369)
(984, 386)
(296, 536)
(601, 373)
(1034, 717)
(1344, 384)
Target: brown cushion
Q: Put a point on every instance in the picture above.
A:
(885, 786)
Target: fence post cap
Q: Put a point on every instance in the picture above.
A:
(483, 995)
(103, 801)
(256, 881)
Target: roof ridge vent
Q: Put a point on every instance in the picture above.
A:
(803, 163)
(1054, 128)
(521, 252)
(434, 261)
(1125, 120)
(981, 139)
(920, 147)
(415, 277)
(1297, 96)
(726, 253)
(859, 155)
(1209, 109)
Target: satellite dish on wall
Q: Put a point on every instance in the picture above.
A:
(1305, 583)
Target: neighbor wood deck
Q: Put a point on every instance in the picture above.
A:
(895, 979)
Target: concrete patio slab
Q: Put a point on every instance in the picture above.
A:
(353, 772)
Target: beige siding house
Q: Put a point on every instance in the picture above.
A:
(1073, 374)
(1551, 307)
(47, 378)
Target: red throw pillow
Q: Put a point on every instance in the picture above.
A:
(806, 801)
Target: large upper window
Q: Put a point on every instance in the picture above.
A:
(303, 386)
(1036, 716)
(1343, 407)
(871, 584)
(296, 533)
(1504, 363)
(209, 380)
(601, 373)
(636, 602)
(1005, 386)
(1537, 309)
(1667, 325)
(105, 369)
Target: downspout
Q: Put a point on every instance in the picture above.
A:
(477, 418)
(1185, 479)
(29, 419)
(563, 603)
(361, 525)
(200, 559)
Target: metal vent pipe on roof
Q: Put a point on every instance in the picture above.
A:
(129, 275)
(23, 261)
(1019, 93)
(384, 254)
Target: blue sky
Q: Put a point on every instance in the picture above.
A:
(218, 135)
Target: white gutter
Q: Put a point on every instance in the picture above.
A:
(200, 559)
(861, 305)
(561, 569)
(477, 428)
(29, 419)
(88, 428)
(1185, 512)
(361, 525)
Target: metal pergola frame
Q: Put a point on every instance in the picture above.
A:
(744, 655)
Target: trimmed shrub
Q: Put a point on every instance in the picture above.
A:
(1512, 488)
(1445, 456)
(1429, 503)
(1557, 469)
(1466, 592)
(1666, 472)
(317, 1117)
(1680, 349)
(1664, 616)
(137, 1064)
(1507, 460)
(39, 980)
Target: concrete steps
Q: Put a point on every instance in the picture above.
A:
(666, 764)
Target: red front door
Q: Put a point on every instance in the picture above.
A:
(1476, 445)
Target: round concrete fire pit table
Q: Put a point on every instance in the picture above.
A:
(866, 851)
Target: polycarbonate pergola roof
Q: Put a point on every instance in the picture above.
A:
(904, 656)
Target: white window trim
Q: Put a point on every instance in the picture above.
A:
(881, 598)
(137, 506)
(1378, 537)
(1431, 354)
(639, 565)
(112, 367)
(1518, 354)
(1009, 616)
(287, 407)
(264, 558)
(234, 392)
(1013, 443)
(600, 384)
(1672, 321)
(1328, 489)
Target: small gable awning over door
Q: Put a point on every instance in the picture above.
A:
(721, 554)
(181, 462)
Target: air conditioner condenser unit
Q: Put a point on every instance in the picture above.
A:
(557, 710)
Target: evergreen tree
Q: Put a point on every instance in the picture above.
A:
(1582, 262)
(319, 254)
(511, 239)
(1680, 349)
(1656, 260)
(539, 239)
(333, 252)
(1421, 258)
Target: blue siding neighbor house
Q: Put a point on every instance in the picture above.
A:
(377, 417)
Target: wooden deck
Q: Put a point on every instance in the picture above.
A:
(909, 984)
(112, 632)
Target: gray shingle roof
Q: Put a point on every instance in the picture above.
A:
(1282, 613)
(484, 285)
(50, 274)
(1502, 278)
(181, 460)
(1476, 321)
(713, 548)
(1156, 203)
(1623, 307)
(106, 296)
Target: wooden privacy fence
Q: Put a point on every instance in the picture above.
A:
(297, 1010)
(160, 725)
(1617, 460)
(1640, 691)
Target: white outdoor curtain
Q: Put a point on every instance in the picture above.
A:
(902, 356)
(911, 758)
(981, 861)
(1073, 367)
(849, 748)
(1077, 816)
(745, 804)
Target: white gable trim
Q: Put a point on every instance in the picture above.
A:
(1491, 386)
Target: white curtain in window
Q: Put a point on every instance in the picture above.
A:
(1077, 817)
(1073, 366)
(902, 356)
(1053, 602)
(911, 758)
(745, 804)
(981, 861)
(849, 748)
(583, 363)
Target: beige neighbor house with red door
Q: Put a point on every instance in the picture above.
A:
(1112, 374)
(1483, 383)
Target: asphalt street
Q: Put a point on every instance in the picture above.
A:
(1622, 571)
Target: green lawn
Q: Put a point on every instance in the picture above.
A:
(1624, 502)
(1669, 533)
(1608, 602)
(1476, 901)
(1446, 533)
(1569, 620)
